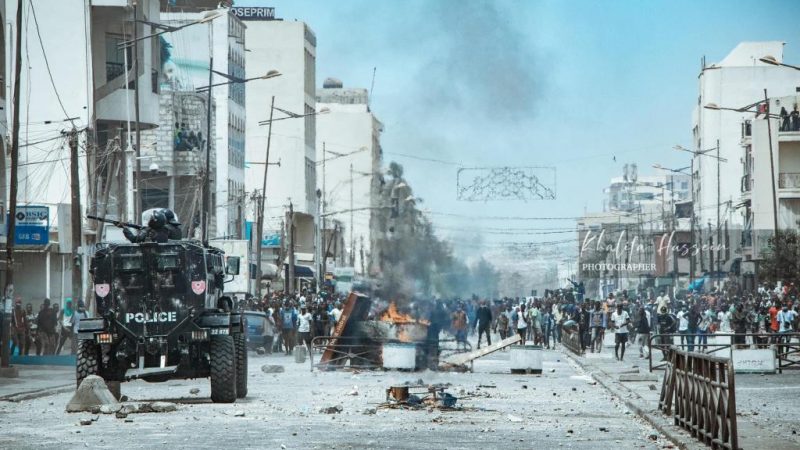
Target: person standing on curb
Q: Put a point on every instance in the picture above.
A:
(643, 331)
(620, 321)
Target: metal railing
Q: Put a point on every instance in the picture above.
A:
(702, 390)
(787, 352)
(789, 180)
(572, 341)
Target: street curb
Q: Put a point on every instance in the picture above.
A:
(607, 382)
(37, 393)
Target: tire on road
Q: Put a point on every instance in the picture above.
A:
(87, 360)
(240, 342)
(223, 369)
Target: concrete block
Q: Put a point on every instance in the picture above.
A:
(92, 393)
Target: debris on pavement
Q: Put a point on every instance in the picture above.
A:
(272, 368)
(332, 409)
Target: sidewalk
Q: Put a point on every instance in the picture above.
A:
(37, 381)
(643, 394)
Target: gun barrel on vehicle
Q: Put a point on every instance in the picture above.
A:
(116, 222)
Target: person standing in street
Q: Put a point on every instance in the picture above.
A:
(522, 324)
(459, 325)
(620, 321)
(598, 324)
(484, 322)
(46, 327)
(32, 338)
(65, 325)
(643, 330)
(288, 322)
(19, 328)
(304, 327)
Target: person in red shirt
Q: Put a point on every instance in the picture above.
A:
(773, 318)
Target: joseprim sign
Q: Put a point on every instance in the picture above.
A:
(254, 13)
(154, 317)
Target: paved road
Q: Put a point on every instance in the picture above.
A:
(561, 408)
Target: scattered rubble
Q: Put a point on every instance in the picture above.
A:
(238, 414)
(272, 368)
(332, 409)
(194, 391)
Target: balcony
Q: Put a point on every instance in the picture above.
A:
(789, 180)
(114, 70)
(746, 184)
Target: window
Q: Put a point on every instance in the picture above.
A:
(155, 198)
(115, 56)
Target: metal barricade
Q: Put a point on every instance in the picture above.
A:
(572, 341)
(699, 393)
(786, 345)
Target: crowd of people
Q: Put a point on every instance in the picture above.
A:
(753, 319)
(46, 331)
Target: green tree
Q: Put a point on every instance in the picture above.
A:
(782, 259)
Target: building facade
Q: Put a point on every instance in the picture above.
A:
(349, 159)
(739, 80)
(289, 48)
(186, 55)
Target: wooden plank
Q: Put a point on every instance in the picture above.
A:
(356, 308)
(462, 358)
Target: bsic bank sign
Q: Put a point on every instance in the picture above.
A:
(254, 13)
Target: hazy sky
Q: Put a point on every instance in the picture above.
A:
(570, 84)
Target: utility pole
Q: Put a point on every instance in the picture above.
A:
(324, 265)
(206, 210)
(76, 219)
(719, 229)
(137, 195)
(290, 232)
(5, 369)
(352, 239)
(774, 191)
(261, 206)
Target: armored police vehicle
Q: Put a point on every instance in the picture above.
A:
(162, 315)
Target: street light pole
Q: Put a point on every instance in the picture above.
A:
(262, 205)
(206, 214)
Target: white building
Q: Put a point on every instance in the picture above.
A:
(757, 209)
(737, 81)
(74, 75)
(290, 48)
(186, 69)
(648, 194)
(349, 156)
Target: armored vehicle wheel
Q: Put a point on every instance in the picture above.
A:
(223, 369)
(241, 365)
(86, 360)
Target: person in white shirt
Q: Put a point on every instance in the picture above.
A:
(304, 327)
(620, 321)
(683, 325)
(662, 301)
(785, 319)
(336, 313)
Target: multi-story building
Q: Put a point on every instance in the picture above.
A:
(186, 67)
(79, 77)
(758, 196)
(290, 48)
(349, 160)
(737, 81)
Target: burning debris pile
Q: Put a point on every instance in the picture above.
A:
(396, 340)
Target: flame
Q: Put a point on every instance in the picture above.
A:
(393, 315)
